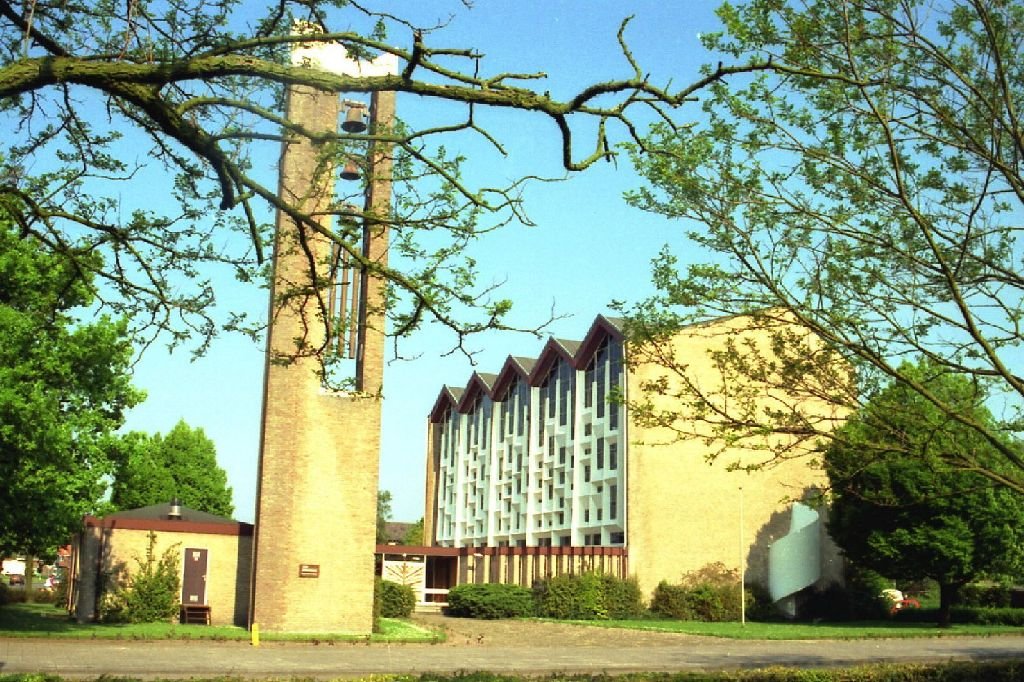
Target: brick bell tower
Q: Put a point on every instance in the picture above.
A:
(313, 562)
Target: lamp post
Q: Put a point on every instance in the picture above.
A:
(743, 568)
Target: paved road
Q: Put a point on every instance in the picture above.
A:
(93, 658)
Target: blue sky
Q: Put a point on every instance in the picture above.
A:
(587, 248)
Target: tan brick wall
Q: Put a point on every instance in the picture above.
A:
(684, 512)
(227, 577)
(319, 461)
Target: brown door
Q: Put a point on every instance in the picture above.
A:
(193, 582)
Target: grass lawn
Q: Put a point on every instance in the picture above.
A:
(46, 620)
(852, 630)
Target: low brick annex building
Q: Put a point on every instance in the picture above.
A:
(215, 558)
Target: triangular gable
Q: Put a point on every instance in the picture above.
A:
(449, 397)
(479, 384)
(553, 350)
(513, 367)
(610, 327)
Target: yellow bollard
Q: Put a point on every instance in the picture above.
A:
(255, 632)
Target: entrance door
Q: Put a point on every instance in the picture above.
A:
(193, 582)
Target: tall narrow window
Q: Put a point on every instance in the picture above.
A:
(588, 384)
(613, 501)
(600, 453)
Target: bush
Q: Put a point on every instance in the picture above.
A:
(985, 596)
(833, 604)
(864, 589)
(151, 593)
(588, 596)
(671, 601)
(490, 601)
(60, 593)
(44, 597)
(966, 615)
(622, 597)
(396, 600)
(710, 594)
(759, 604)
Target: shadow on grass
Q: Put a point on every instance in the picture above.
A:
(47, 620)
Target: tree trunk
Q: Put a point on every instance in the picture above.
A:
(948, 593)
(30, 571)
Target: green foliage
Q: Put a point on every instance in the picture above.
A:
(965, 615)
(671, 601)
(902, 510)
(152, 591)
(64, 385)
(865, 187)
(588, 596)
(213, 93)
(710, 594)
(414, 534)
(996, 596)
(383, 515)
(182, 464)
(396, 600)
(490, 601)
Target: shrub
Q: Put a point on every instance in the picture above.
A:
(60, 593)
(671, 601)
(760, 606)
(834, 604)
(864, 594)
(966, 615)
(490, 601)
(711, 593)
(396, 600)
(985, 596)
(622, 597)
(151, 592)
(588, 596)
(44, 597)
(572, 597)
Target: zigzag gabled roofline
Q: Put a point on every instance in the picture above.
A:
(530, 370)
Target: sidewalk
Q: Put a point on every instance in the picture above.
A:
(182, 659)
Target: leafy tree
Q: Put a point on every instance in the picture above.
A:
(195, 88)
(900, 509)
(64, 386)
(182, 464)
(142, 477)
(868, 186)
(383, 515)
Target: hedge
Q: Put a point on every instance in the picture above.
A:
(588, 596)
(489, 601)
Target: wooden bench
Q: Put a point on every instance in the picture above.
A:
(195, 614)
